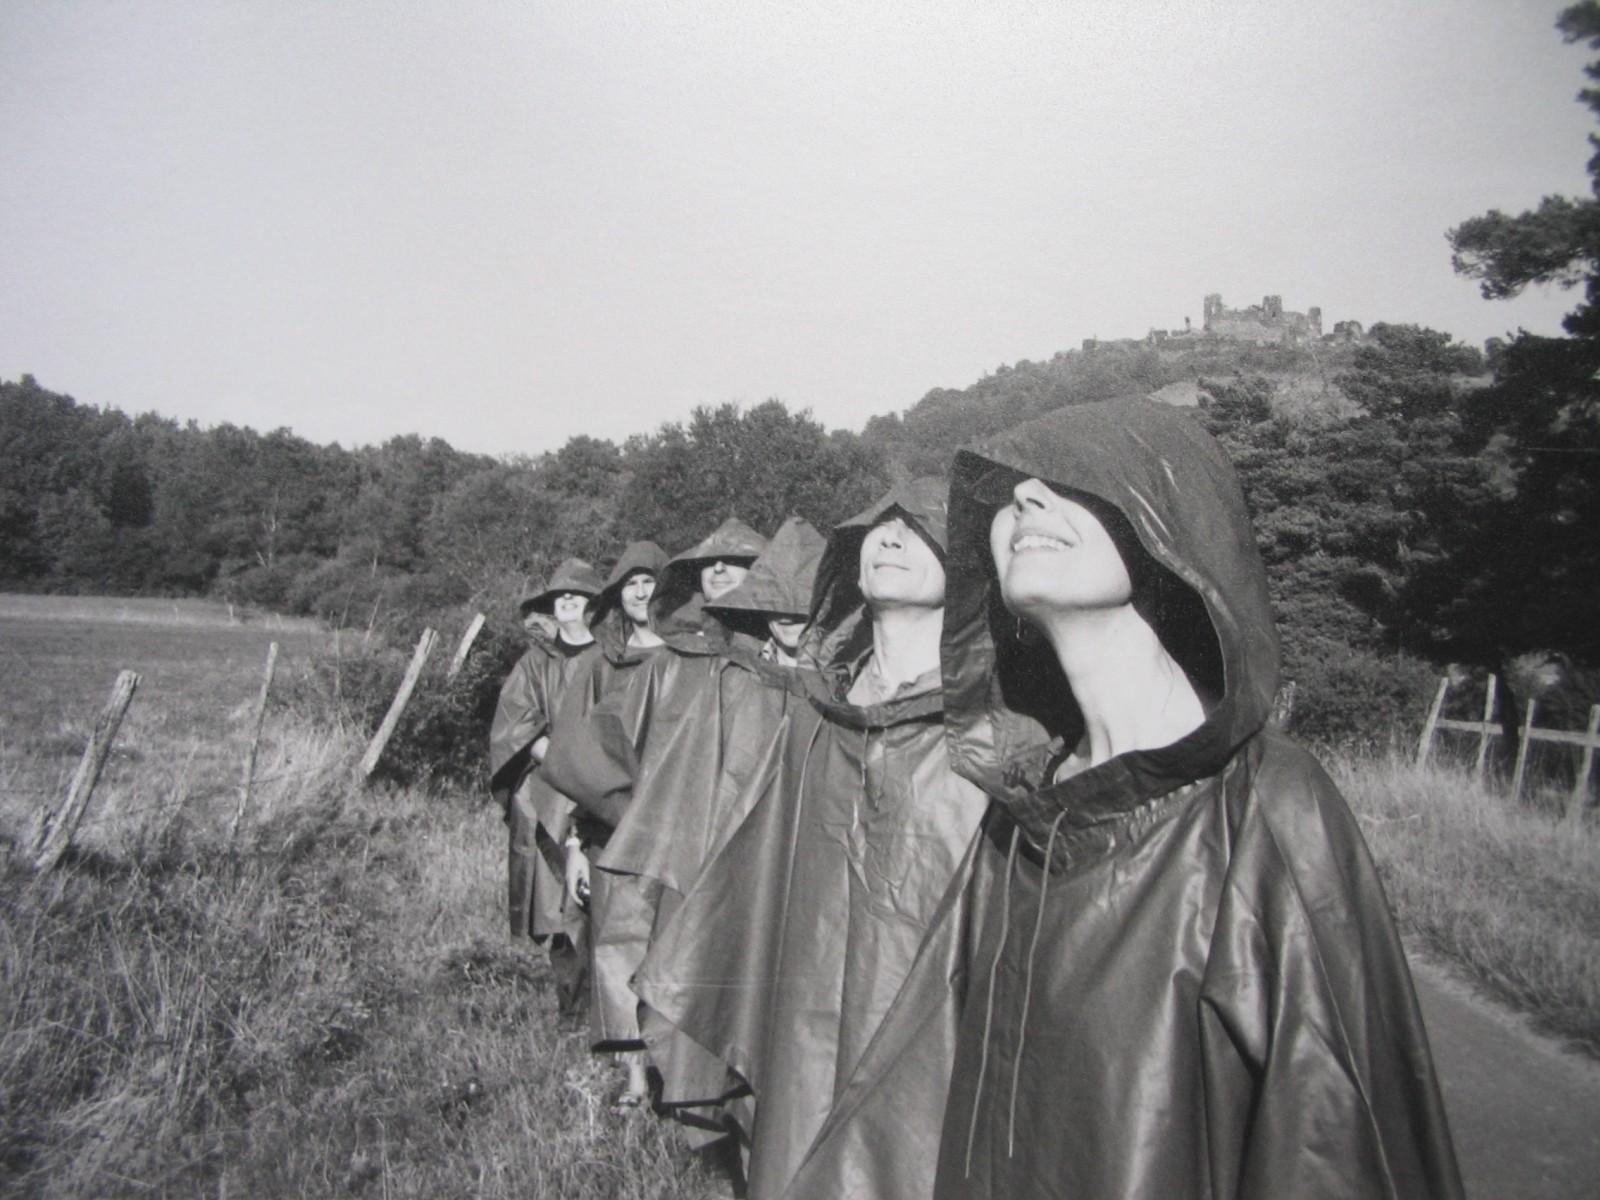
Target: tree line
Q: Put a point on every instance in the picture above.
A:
(93, 500)
(1404, 520)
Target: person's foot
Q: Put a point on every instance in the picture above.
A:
(626, 1101)
(636, 1092)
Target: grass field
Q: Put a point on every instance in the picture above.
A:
(331, 1007)
(182, 743)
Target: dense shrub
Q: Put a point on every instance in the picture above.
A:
(1357, 700)
(442, 736)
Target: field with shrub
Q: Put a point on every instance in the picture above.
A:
(330, 1006)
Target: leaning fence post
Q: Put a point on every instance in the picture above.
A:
(255, 743)
(1432, 721)
(1484, 734)
(1522, 750)
(54, 835)
(462, 650)
(1580, 786)
(419, 659)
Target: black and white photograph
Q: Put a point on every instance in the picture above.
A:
(800, 600)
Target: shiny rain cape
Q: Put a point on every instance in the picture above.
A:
(600, 672)
(1204, 996)
(793, 943)
(528, 699)
(599, 767)
(703, 725)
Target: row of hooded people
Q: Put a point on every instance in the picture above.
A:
(1005, 890)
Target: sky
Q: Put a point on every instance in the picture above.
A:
(509, 222)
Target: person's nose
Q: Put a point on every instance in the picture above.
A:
(1030, 493)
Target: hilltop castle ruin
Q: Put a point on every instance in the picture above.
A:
(1266, 323)
(1261, 323)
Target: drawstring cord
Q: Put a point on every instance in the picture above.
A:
(994, 971)
(1027, 986)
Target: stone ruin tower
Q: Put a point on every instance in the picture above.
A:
(1261, 323)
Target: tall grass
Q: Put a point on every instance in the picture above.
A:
(1510, 894)
(328, 1008)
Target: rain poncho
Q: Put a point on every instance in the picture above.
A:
(598, 769)
(792, 946)
(710, 725)
(1204, 996)
(598, 671)
(528, 699)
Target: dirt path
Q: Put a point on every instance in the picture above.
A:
(1525, 1113)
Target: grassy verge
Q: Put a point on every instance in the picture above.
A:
(1510, 895)
(331, 1009)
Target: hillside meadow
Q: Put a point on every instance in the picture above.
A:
(330, 1006)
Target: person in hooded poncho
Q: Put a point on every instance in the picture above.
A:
(612, 650)
(791, 947)
(693, 770)
(599, 767)
(1186, 980)
(518, 740)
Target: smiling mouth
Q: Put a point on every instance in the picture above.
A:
(1023, 542)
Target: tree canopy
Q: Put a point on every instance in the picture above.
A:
(1529, 563)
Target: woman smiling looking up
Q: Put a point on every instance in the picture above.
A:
(1186, 982)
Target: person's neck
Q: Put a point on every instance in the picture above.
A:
(905, 643)
(642, 636)
(1132, 693)
(574, 633)
(781, 654)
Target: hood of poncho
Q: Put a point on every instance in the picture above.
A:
(573, 575)
(677, 605)
(781, 580)
(606, 618)
(840, 632)
(1006, 703)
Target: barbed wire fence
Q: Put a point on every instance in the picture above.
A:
(53, 831)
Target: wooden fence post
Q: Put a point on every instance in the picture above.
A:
(255, 743)
(462, 650)
(1432, 721)
(54, 836)
(1580, 786)
(1522, 750)
(419, 659)
(1485, 735)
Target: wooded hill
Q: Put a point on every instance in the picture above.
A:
(1402, 524)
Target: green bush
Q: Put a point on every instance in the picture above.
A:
(442, 737)
(1357, 700)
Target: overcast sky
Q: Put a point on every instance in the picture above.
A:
(505, 222)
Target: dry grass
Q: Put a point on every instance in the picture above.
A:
(146, 610)
(329, 1007)
(1511, 895)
